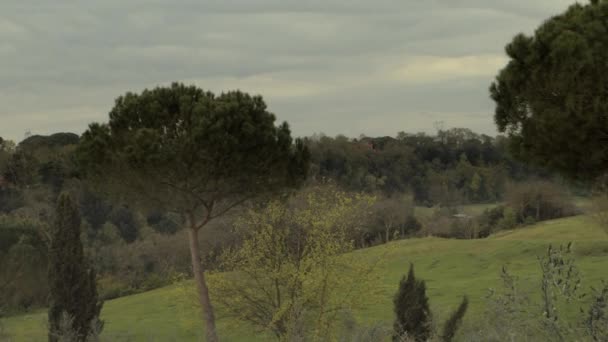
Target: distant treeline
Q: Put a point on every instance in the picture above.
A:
(455, 166)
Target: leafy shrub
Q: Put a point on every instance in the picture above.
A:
(10, 199)
(163, 223)
(390, 219)
(556, 310)
(411, 225)
(112, 287)
(12, 230)
(508, 220)
(540, 200)
(440, 226)
(22, 265)
(152, 262)
(488, 220)
(292, 274)
(124, 219)
(526, 204)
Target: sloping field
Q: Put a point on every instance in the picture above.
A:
(451, 269)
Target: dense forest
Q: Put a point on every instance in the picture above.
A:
(455, 166)
(137, 249)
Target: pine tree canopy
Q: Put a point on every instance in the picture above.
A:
(552, 96)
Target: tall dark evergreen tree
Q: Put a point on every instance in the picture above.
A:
(413, 316)
(455, 320)
(551, 97)
(72, 287)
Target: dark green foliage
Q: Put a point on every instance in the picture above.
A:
(21, 169)
(551, 97)
(124, 219)
(22, 265)
(10, 199)
(54, 173)
(412, 225)
(14, 230)
(413, 316)
(456, 165)
(489, 220)
(453, 323)
(23, 275)
(162, 223)
(6, 149)
(174, 144)
(36, 142)
(420, 190)
(42, 160)
(94, 208)
(72, 283)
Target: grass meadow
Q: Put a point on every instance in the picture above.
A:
(451, 269)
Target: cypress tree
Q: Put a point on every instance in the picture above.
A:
(453, 323)
(413, 316)
(72, 287)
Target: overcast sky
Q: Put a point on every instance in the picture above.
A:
(334, 66)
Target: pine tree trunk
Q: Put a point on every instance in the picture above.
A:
(203, 291)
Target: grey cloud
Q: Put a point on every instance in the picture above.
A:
(65, 62)
(389, 109)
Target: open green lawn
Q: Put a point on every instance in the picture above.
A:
(451, 269)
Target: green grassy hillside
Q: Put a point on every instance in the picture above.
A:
(451, 269)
